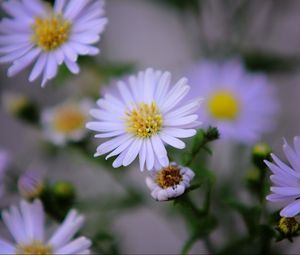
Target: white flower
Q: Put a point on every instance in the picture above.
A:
(48, 36)
(145, 116)
(4, 161)
(66, 122)
(169, 182)
(240, 104)
(286, 179)
(27, 226)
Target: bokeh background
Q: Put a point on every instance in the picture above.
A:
(168, 35)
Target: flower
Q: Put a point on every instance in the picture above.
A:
(4, 161)
(169, 182)
(240, 104)
(144, 117)
(48, 36)
(66, 121)
(286, 179)
(31, 184)
(27, 226)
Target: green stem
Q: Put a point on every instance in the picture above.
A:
(207, 202)
(189, 244)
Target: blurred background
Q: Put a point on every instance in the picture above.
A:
(167, 35)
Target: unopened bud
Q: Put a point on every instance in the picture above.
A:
(64, 190)
(21, 106)
(31, 185)
(288, 226)
(261, 152)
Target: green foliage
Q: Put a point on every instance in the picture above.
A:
(269, 62)
(58, 199)
(105, 243)
(200, 142)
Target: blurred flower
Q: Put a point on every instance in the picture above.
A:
(66, 122)
(143, 117)
(21, 106)
(27, 226)
(286, 179)
(169, 182)
(49, 36)
(240, 104)
(31, 185)
(4, 161)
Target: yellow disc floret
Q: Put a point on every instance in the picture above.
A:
(34, 248)
(68, 118)
(168, 177)
(223, 105)
(144, 121)
(50, 33)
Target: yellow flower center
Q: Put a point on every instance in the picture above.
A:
(223, 105)
(51, 33)
(34, 248)
(68, 118)
(144, 121)
(168, 177)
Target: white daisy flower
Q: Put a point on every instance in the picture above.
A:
(240, 104)
(66, 122)
(145, 116)
(286, 179)
(27, 226)
(36, 32)
(169, 182)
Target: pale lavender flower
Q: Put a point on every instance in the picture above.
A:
(27, 226)
(239, 103)
(145, 115)
(169, 182)
(36, 32)
(286, 179)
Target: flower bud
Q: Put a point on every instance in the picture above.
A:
(261, 152)
(288, 226)
(30, 185)
(22, 107)
(64, 191)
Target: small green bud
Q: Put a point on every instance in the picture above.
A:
(63, 190)
(288, 226)
(261, 152)
(212, 134)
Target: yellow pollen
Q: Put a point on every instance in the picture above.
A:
(34, 248)
(168, 177)
(51, 33)
(144, 121)
(68, 118)
(223, 105)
